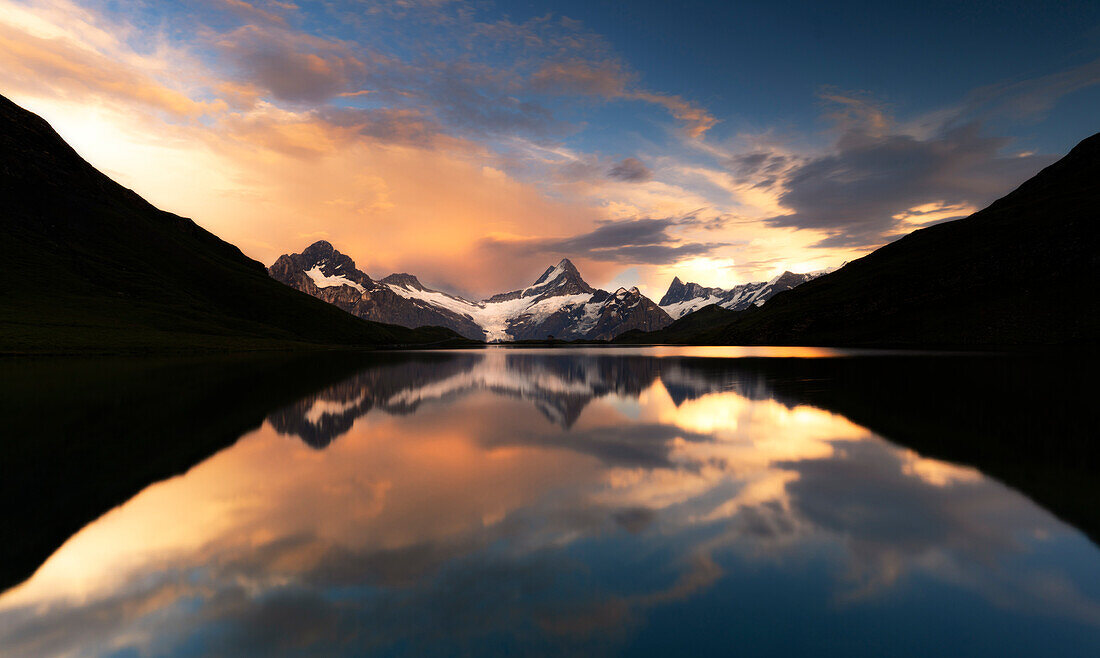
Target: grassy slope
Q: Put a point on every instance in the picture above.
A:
(88, 266)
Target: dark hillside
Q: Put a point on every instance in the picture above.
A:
(1021, 272)
(89, 266)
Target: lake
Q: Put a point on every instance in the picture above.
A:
(624, 501)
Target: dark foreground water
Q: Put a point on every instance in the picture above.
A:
(562, 502)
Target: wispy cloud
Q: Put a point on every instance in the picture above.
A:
(1029, 98)
(61, 67)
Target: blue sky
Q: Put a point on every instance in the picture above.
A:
(473, 142)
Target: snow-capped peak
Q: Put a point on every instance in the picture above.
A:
(684, 298)
(564, 267)
(561, 279)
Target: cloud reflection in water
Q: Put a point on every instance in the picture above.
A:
(542, 502)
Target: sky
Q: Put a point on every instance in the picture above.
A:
(476, 143)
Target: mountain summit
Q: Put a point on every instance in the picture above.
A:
(563, 276)
(559, 303)
(322, 271)
(558, 280)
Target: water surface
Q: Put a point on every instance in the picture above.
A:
(602, 501)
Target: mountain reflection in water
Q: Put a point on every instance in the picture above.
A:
(548, 502)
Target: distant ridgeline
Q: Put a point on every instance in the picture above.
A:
(559, 303)
(1021, 272)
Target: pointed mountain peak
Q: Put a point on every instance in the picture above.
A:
(318, 251)
(569, 268)
(561, 279)
(565, 267)
(678, 291)
(327, 260)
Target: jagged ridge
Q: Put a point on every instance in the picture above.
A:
(559, 303)
(683, 298)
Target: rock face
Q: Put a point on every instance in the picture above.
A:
(559, 303)
(626, 310)
(683, 298)
(322, 271)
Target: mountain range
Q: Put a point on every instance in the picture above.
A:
(683, 298)
(112, 273)
(1022, 271)
(89, 266)
(559, 304)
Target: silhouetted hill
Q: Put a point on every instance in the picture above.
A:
(87, 265)
(1020, 272)
(684, 330)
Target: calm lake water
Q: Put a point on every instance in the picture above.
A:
(658, 501)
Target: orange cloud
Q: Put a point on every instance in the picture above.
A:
(698, 121)
(56, 67)
(607, 80)
(258, 155)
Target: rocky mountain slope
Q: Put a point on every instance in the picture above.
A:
(559, 303)
(683, 298)
(325, 273)
(89, 266)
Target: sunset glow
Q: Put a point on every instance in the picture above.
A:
(485, 145)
